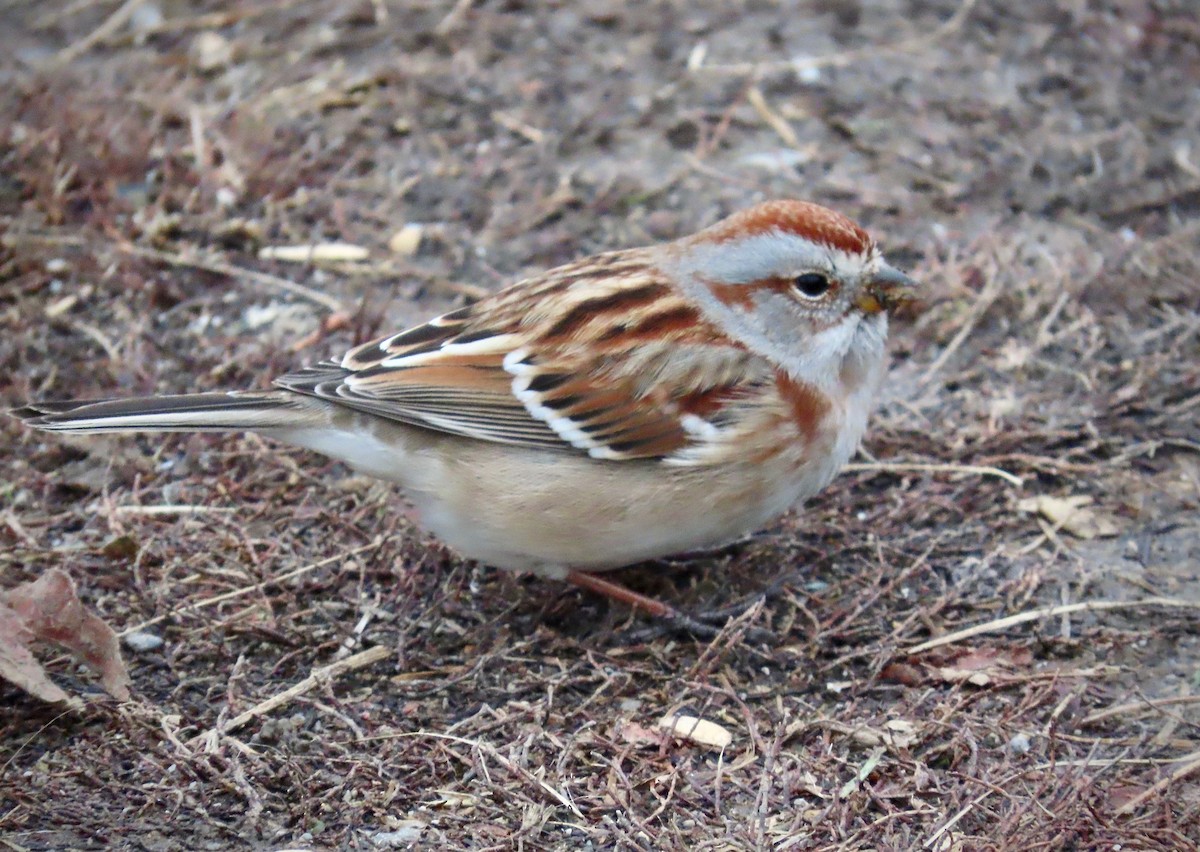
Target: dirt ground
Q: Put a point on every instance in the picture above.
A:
(1036, 165)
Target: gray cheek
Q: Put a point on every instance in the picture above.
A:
(782, 320)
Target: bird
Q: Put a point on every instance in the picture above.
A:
(620, 408)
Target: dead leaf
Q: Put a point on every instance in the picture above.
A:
(636, 734)
(947, 841)
(123, 547)
(1120, 795)
(989, 658)
(806, 782)
(1072, 515)
(902, 673)
(900, 733)
(982, 665)
(455, 799)
(48, 609)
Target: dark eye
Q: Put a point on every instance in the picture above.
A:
(811, 285)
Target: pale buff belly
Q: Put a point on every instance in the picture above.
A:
(549, 512)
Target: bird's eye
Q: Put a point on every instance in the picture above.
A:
(811, 285)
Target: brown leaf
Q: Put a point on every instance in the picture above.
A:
(980, 666)
(17, 664)
(636, 734)
(1072, 514)
(990, 658)
(903, 673)
(48, 609)
(122, 547)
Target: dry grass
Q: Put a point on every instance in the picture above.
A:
(1037, 170)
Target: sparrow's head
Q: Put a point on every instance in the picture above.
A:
(795, 282)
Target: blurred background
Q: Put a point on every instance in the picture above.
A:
(204, 195)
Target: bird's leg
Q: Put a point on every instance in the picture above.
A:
(621, 594)
(655, 608)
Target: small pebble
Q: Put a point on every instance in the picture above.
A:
(663, 225)
(407, 240)
(226, 197)
(146, 16)
(210, 52)
(1019, 744)
(809, 74)
(408, 832)
(142, 641)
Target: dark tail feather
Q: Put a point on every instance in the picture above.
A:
(198, 412)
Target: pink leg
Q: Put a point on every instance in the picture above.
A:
(619, 593)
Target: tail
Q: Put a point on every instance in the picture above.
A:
(195, 412)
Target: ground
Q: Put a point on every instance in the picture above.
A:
(1035, 165)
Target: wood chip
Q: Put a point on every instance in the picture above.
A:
(407, 240)
(316, 253)
(57, 308)
(697, 730)
(210, 52)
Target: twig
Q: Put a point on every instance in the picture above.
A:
(318, 677)
(53, 17)
(210, 21)
(245, 590)
(113, 23)
(334, 322)
(448, 23)
(100, 338)
(526, 131)
(491, 751)
(1145, 705)
(987, 296)
(14, 523)
(17, 753)
(1104, 763)
(1192, 765)
(950, 823)
(173, 509)
(273, 282)
(1046, 612)
(837, 60)
(936, 468)
(773, 119)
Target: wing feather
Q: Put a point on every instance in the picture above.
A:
(604, 359)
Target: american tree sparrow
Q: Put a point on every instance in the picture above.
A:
(620, 408)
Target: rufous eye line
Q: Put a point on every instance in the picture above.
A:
(742, 295)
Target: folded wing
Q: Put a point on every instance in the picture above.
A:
(603, 359)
